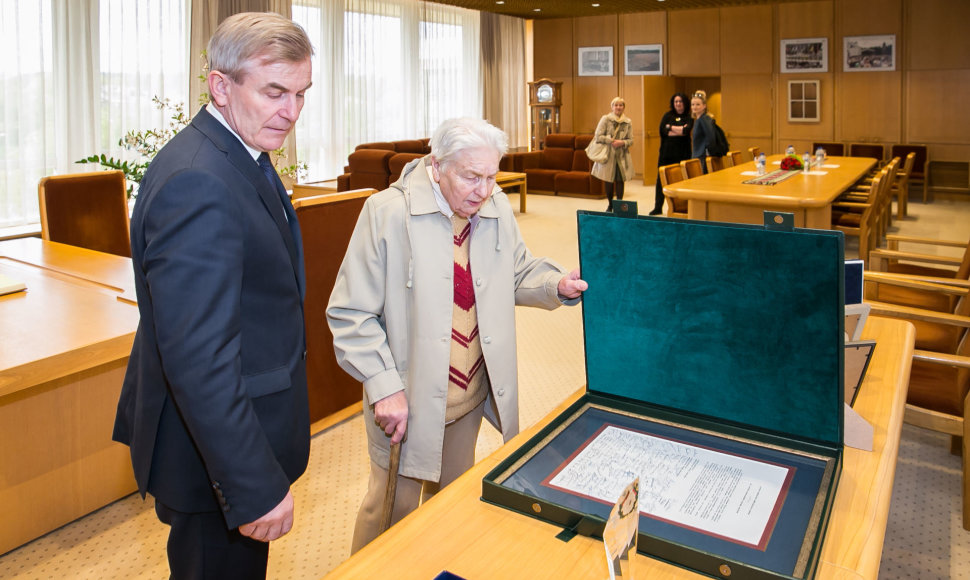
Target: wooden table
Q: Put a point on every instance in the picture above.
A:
(507, 179)
(65, 345)
(721, 196)
(456, 531)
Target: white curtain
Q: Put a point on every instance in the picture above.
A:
(144, 54)
(384, 70)
(75, 77)
(27, 144)
(504, 76)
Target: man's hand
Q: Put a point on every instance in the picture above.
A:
(571, 286)
(273, 525)
(391, 415)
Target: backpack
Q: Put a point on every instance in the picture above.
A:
(719, 146)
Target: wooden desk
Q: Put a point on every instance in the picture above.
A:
(66, 342)
(458, 532)
(721, 196)
(507, 179)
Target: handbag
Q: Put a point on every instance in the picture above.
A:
(597, 152)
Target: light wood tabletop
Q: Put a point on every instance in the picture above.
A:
(456, 531)
(65, 345)
(722, 195)
(78, 310)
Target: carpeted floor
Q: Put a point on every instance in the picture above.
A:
(124, 540)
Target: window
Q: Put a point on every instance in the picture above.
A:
(803, 106)
(384, 70)
(66, 97)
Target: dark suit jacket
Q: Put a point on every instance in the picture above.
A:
(214, 402)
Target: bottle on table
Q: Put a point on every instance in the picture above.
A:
(762, 164)
(790, 150)
(806, 162)
(819, 157)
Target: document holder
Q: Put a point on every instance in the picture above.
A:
(714, 373)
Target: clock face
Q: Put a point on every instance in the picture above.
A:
(544, 94)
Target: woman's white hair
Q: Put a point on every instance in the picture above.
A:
(456, 135)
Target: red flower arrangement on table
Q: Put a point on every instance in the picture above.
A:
(791, 163)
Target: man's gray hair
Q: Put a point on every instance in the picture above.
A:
(246, 36)
(456, 135)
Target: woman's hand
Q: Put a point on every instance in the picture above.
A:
(618, 143)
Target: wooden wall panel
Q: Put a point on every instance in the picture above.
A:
(640, 28)
(592, 100)
(932, 93)
(870, 107)
(746, 106)
(694, 42)
(806, 20)
(553, 48)
(870, 17)
(746, 44)
(937, 34)
(592, 95)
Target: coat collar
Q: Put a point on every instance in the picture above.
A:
(237, 154)
(415, 182)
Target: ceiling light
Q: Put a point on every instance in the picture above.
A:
(500, 2)
(537, 9)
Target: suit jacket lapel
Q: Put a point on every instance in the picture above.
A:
(247, 166)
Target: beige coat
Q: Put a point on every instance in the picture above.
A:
(609, 128)
(391, 309)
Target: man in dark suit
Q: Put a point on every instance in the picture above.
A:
(214, 402)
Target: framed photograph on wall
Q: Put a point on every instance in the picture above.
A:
(804, 55)
(644, 59)
(869, 53)
(596, 61)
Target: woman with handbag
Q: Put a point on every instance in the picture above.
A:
(614, 132)
(675, 128)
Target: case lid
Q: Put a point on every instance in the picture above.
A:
(735, 322)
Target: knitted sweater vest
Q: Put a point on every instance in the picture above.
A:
(467, 377)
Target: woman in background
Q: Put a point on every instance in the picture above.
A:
(675, 128)
(616, 130)
(703, 132)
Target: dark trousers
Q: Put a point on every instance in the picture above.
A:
(608, 186)
(201, 547)
(658, 201)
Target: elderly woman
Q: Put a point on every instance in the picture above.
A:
(703, 132)
(675, 128)
(615, 130)
(430, 366)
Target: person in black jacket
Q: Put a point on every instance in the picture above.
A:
(703, 132)
(675, 128)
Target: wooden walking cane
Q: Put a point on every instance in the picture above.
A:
(391, 489)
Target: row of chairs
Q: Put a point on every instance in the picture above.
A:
(877, 151)
(932, 292)
(688, 169)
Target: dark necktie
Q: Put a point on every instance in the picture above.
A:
(270, 172)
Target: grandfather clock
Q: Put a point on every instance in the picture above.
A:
(545, 100)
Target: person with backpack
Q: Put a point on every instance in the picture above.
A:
(703, 133)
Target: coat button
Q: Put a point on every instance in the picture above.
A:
(225, 507)
(478, 281)
(501, 392)
(487, 339)
(304, 355)
(444, 339)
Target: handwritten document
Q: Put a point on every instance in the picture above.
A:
(718, 493)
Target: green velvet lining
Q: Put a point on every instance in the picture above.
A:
(730, 321)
